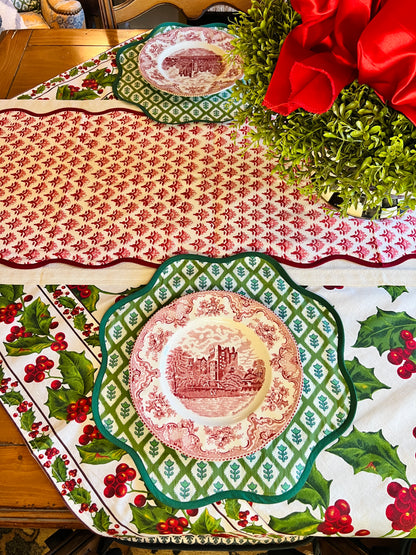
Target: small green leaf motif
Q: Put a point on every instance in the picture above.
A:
(67, 302)
(65, 93)
(12, 398)
(59, 470)
(101, 521)
(77, 371)
(301, 524)
(394, 290)
(36, 318)
(100, 451)
(41, 442)
(382, 330)
(315, 491)
(79, 321)
(27, 419)
(28, 345)
(58, 401)
(146, 518)
(365, 382)
(370, 452)
(10, 293)
(80, 495)
(206, 524)
(233, 508)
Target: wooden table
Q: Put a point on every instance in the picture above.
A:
(27, 58)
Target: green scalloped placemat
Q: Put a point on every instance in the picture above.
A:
(163, 107)
(280, 469)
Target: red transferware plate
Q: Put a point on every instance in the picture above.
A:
(215, 375)
(190, 61)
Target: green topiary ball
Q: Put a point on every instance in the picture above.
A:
(361, 149)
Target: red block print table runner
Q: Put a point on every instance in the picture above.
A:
(95, 188)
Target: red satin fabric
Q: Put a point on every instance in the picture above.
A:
(342, 40)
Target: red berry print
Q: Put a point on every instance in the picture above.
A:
(89, 434)
(172, 525)
(78, 411)
(337, 519)
(116, 484)
(401, 356)
(402, 512)
(8, 313)
(140, 500)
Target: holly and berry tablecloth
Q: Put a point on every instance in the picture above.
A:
(114, 195)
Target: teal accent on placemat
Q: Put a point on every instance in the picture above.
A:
(279, 470)
(163, 107)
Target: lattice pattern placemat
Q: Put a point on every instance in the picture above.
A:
(275, 472)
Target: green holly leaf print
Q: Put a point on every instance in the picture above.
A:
(36, 318)
(370, 452)
(90, 301)
(41, 443)
(12, 398)
(93, 340)
(10, 293)
(254, 529)
(206, 524)
(301, 524)
(77, 371)
(365, 382)
(67, 302)
(27, 419)
(103, 77)
(59, 470)
(27, 345)
(146, 518)
(101, 521)
(315, 491)
(100, 451)
(58, 401)
(65, 93)
(79, 321)
(232, 508)
(394, 290)
(382, 330)
(80, 495)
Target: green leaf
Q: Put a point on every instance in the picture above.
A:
(93, 340)
(370, 452)
(315, 491)
(206, 524)
(27, 419)
(146, 518)
(100, 451)
(10, 293)
(12, 398)
(77, 371)
(80, 321)
(101, 521)
(59, 470)
(41, 443)
(90, 302)
(365, 381)
(36, 318)
(58, 401)
(102, 77)
(232, 508)
(28, 345)
(394, 290)
(382, 330)
(301, 524)
(84, 94)
(255, 529)
(67, 302)
(80, 495)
